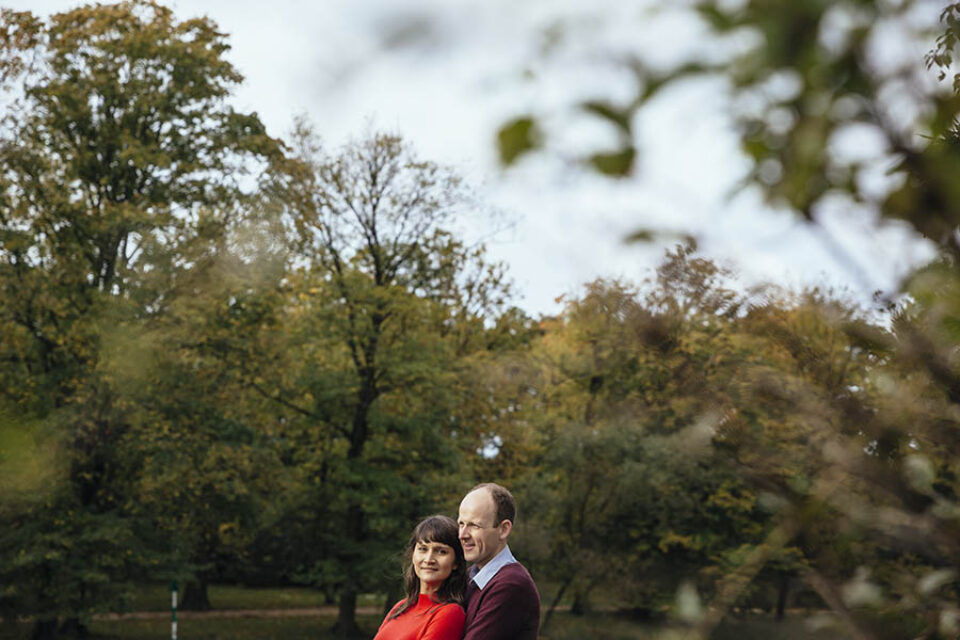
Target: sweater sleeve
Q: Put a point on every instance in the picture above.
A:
(386, 619)
(446, 624)
(509, 607)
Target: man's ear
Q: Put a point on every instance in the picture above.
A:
(505, 527)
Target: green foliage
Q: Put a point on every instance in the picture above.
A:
(618, 163)
(122, 170)
(627, 482)
(516, 138)
(690, 434)
(366, 357)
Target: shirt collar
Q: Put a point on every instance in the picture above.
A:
(499, 561)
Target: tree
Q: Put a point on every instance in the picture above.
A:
(384, 304)
(122, 164)
(628, 392)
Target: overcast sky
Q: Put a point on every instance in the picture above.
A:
(446, 73)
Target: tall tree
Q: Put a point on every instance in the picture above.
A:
(385, 303)
(121, 156)
(629, 391)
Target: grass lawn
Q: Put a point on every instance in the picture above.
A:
(563, 627)
(156, 597)
(239, 628)
(612, 627)
(290, 626)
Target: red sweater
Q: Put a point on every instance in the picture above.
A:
(508, 608)
(426, 620)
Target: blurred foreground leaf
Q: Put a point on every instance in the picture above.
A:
(516, 138)
(617, 164)
(27, 463)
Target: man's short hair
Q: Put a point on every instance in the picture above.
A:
(503, 500)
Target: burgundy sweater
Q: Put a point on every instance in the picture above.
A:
(508, 608)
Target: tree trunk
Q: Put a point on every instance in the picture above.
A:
(393, 594)
(581, 603)
(8, 624)
(555, 602)
(346, 626)
(73, 628)
(45, 629)
(195, 597)
(782, 595)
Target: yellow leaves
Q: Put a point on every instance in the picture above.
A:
(742, 500)
(227, 531)
(674, 539)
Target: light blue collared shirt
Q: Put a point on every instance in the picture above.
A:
(499, 561)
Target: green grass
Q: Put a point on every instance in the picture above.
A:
(156, 597)
(599, 626)
(240, 628)
(563, 627)
(245, 628)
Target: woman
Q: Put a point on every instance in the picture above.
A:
(435, 576)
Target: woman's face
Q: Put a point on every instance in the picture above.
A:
(432, 562)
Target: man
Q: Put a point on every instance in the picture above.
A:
(502, 600)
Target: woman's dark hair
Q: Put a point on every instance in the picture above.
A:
(454, 589)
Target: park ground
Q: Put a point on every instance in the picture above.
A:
(292, 613)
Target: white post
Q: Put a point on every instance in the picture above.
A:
(173, 610)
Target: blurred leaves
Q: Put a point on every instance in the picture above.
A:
(618, 116)
(28, 459)
(617, 164)
(517, 137)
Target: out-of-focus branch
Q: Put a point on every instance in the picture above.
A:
(829, 593)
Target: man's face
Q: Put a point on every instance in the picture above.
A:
(481, 536)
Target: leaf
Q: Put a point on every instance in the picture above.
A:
(516, 138)
(618, 164)
(652, 235)
(618, 116)
(641, 235)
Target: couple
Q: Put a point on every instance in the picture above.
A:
(500, 602)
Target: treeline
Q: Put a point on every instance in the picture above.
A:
(229, 357)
